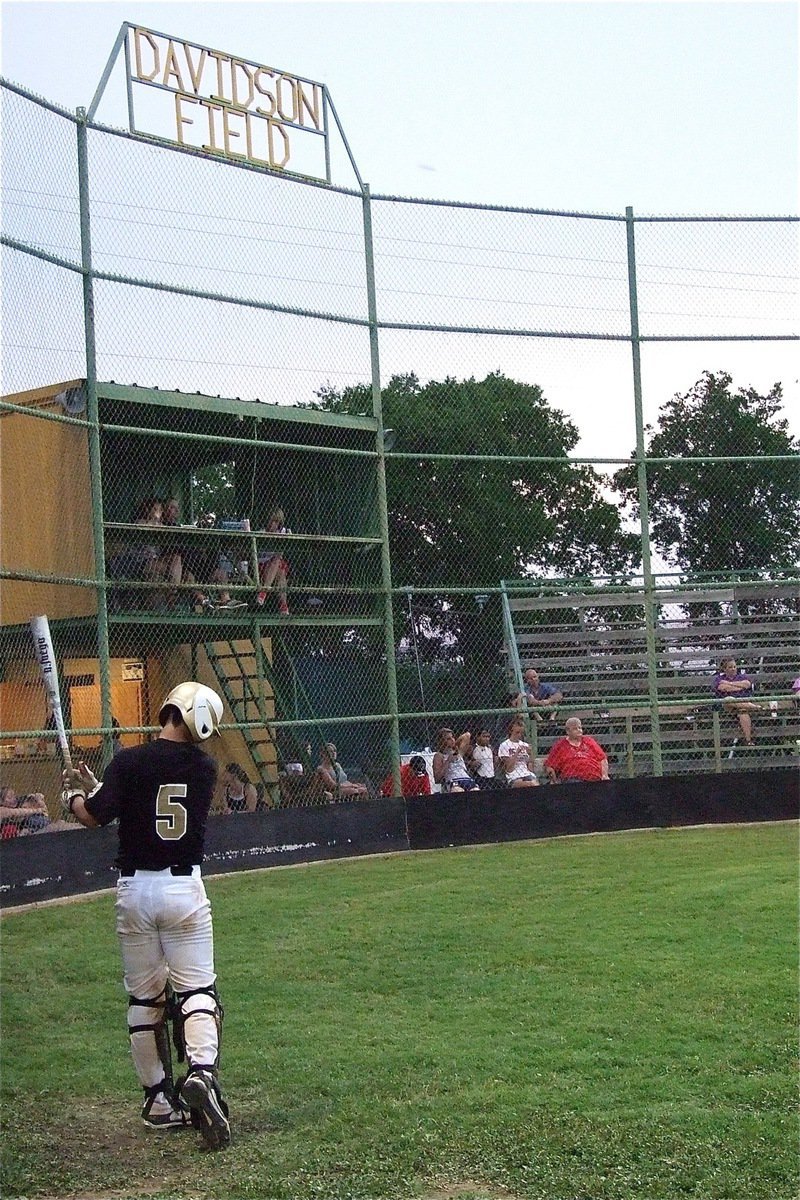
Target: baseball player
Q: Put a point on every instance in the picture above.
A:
(161, 793)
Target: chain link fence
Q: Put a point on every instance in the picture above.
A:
(360, 463)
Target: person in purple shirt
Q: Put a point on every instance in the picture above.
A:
(735, 689)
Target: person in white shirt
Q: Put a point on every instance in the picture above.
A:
(482, 760)
(514, 755)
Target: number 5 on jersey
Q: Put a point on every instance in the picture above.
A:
(171, 816)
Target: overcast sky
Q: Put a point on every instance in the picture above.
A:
(684, 107)
(673, 108)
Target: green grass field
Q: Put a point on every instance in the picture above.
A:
(600, 1018)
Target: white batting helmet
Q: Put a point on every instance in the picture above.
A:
(200, 707)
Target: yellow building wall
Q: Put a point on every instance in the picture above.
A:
(34, 765)
(127, 699)
(23, 704)
(45, 511)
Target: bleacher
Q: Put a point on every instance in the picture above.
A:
(595, 646)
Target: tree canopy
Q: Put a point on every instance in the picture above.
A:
(726, 516)
(472, 523)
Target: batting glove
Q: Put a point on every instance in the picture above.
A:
(77, 783)
(81, 779)
(68, 798)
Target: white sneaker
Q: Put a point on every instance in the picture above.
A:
(160, 1114)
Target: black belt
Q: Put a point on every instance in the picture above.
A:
(173, 870)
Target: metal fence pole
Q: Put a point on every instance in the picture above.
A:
(644, 507)
(383, 509)
(717, 744)
(93, 430)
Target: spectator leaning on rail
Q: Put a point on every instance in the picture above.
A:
(735, 689)
(576, 758)
(22, 814)
(334, 776)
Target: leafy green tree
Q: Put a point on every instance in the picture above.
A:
(468, 523)
(213, 489)
(742, 516)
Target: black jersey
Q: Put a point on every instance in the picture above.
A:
(161, 792)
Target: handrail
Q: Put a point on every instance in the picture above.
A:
(337, 539)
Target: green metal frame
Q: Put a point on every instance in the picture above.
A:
(644, 507)
(112, 629)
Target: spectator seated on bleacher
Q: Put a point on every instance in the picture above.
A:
(735, 689)
(335, 777)
(148, 561)
(238, 793)
(136, 560)
(576, 758)
(481, 760)
(273, 568)
(206, 564)
(514, 757)
(449, 762)
(297, 787)
(22, 814)
(414, 779)
(542, 699)
(796, 691)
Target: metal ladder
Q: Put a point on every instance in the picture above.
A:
(236, 667)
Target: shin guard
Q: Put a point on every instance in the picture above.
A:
(149, 1038)
(197, 1026)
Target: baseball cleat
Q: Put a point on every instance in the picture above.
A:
(209, 1111)
(170, 1118)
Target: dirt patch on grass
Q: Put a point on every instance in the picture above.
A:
(102, 1143)
(469, 1189)
(141, 1191)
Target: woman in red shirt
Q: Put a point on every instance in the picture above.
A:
(576, 758)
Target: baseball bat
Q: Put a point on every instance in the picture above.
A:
(43, 646)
